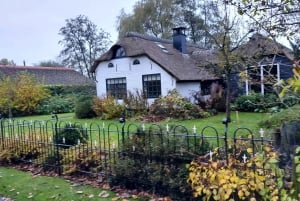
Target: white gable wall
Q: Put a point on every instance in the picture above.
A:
(123, 67)
(186, 89)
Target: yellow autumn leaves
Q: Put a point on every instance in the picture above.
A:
(237, 180)
(21, 92)
(222, 183)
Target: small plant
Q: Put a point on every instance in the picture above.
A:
(70, 135)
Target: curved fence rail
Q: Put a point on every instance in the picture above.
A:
(97, 148)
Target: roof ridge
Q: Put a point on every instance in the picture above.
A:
(147, 37)
(36, 67)
(156, 39)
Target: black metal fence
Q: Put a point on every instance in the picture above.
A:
(99, 148)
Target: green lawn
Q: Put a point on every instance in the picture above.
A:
(21, 186)
(239, 119)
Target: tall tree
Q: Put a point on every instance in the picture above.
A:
(152, 17)
(159, 17)
(226, 35)
(191, 19)
(82, 43)
(7, 62)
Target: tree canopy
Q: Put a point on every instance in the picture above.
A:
(21, 93)
(6, 62)
(82, 43)
(159, 17)
(49, 63)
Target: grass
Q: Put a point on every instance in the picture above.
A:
(239, 119)
(21, 186)
(275, 120)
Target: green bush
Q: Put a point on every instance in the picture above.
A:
(70, 135)
(275, 120)
(84, 107)
(63, 90)
(257, 102)
(57, 104)
(174, 106)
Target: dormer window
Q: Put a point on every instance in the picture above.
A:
(110, 65)
(136, 62)
(120, 52)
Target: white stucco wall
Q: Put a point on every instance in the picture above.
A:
(187, 88)
(123, 67)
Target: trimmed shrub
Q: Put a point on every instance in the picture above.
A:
(70, 135)
(84, 107)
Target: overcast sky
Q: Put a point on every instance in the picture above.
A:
(29, 28)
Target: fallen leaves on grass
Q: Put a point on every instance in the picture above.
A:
(103, 194)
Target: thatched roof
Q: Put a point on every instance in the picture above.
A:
(259, 46)
(183, 67)
(48, 75)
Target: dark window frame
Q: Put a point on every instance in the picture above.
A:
(136, 62)
(152, 85)
(120, 52)
(110, 65)
(116, 87)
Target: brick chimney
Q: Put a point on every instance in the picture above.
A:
(179, 39)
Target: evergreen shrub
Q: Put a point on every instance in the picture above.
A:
(70, 135)
(57, 104)
(84, 107)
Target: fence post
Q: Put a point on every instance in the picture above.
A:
(225, 122)
(2, 130)
(122, 121)
(56, 143)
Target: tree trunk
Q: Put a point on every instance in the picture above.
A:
(228, 91)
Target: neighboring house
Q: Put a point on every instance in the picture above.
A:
(152, 65)
(268, 63)
(48, 75)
